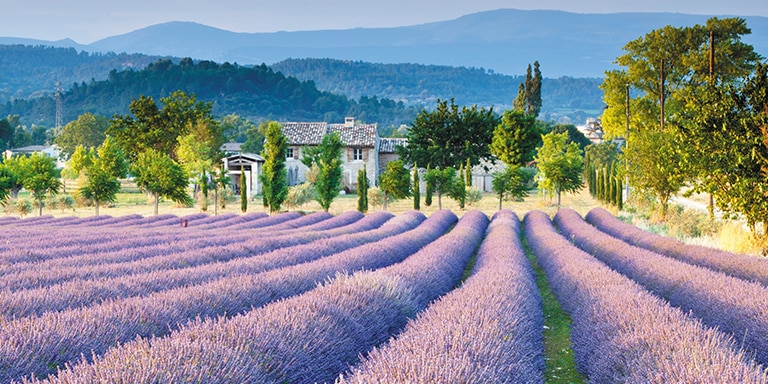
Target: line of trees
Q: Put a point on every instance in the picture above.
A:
(692, 104)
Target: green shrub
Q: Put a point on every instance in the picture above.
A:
(298, 195)
(473, 196)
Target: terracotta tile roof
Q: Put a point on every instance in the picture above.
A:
(388, 144)
(311, 133)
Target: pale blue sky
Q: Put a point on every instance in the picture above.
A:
(86, 21)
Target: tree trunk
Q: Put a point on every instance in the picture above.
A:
(97, 207)
(385, 201)
(40, 205)
(500, 196)
(439, 200)
(558, 197)
(157, 202)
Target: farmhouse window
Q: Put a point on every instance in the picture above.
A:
(357, 154)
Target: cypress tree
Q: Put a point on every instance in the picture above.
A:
(362, 190)
(243, 191)
(416, 191)
(468, 170)
(428, 191)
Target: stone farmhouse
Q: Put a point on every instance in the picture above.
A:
(363, 148)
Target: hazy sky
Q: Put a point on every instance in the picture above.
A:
(86, 21)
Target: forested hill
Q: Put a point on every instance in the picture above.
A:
(253, 92)
(417, 84)
(33, 71)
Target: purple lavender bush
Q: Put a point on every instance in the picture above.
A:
(168, 271)
(742, 266)
(732, 305)
(621, 332)
(311, 337)
(37, 346)
(487, 331)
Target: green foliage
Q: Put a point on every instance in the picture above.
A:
(151, 127)
(101, 185)
(254, 138)
(7, 178)
(255, 92)
(416, 189)
(395, 182)
(515, 138)
(274, 178)
(41, 177)
(235, 128)
(80, 159)
(604, 171)
(561, 164)
(362, 190)
(574, 135)
(88, 130)
(512, 184)
(429, 190)
(157, 173)
(243, 191)
(655, 166)
(444, 182)
(448, 136)
(328, 161)
(528, 99)
(298, 195)
(473, 196)
(112, 158)
(6, 134)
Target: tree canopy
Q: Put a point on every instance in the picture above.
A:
(449, 135)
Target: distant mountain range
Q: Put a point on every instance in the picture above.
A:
(504, 41)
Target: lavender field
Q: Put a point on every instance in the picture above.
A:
(376, 298)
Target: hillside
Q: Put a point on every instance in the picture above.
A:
(416, 84)
(256, 93)
(33, 70)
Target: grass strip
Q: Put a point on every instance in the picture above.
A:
(560, 361)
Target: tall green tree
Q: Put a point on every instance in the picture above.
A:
(160, 175)
(7, 180)
(443, 181)
(560, 163)
(449, 135)
(395, 182)
(6, 134)
(243, 191)
(515, 138)
(199, 150)
(41, 177)
(151, 127)
(528, 99)
(88, 130)
(416, 189)
(362, 190)
(274, 177)
(511, 184)
(101, 185)
(328, 182)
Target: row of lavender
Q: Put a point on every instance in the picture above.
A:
(732, 305)
(620, 331)
(487, 331)
(316, 336)
(143, 252)
(43, 242)
(39, 344)
(89, 285)
(734, 264)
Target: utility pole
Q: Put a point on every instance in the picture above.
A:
(626, 145)
(59, 118)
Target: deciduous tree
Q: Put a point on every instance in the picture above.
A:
(160, 175)
(560, 163)
(395, 182)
